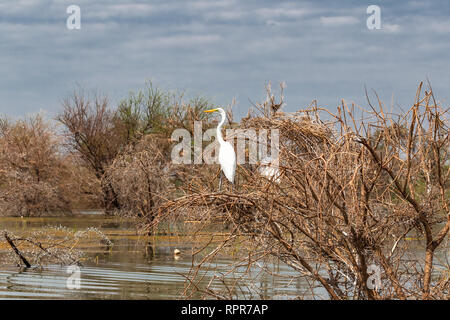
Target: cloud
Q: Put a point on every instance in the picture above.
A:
(185, 40)
(339, 21)
(226, 15)
(391, 28)
(211, 4)
(220, 48)
(128, 10)
(268, 13)
(440, 26)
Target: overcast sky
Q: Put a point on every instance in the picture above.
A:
(222, 49)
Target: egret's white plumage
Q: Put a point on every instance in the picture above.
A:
(227, 156)
(269, 168)
(227, 160)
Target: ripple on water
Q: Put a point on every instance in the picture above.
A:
(96, 282)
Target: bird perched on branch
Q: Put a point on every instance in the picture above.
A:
(227, 156)
(269, 169)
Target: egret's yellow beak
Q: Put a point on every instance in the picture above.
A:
(211, 110)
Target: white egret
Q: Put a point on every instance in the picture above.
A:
(269, 168)
(227, 156)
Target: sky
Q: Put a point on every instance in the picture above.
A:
(222, 49)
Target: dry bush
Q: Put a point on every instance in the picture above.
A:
(352, 193)
(81, 185)
(33, 171)
(49, 245)
(110, 140)
(140, 177)
(91, 132)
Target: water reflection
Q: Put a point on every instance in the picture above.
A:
(131, 269)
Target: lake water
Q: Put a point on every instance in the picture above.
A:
(127, 271)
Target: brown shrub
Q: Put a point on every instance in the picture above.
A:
(140, 177)
(32, 169)
(351, 192)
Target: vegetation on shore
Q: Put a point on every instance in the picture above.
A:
(350, 192)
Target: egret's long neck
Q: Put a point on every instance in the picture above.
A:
(219, 128)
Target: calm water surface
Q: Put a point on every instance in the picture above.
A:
(127, 271)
